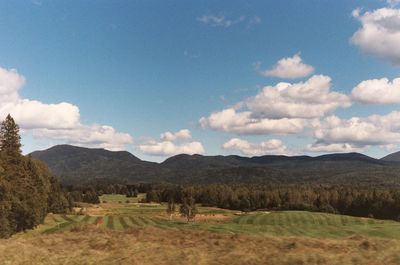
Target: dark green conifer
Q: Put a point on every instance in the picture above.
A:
(10, 140)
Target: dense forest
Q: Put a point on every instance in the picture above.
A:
(28, 191)
(77, 165)
(363, 201)
(356, 200)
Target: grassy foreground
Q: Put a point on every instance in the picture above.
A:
(149, 245)
(135, 233)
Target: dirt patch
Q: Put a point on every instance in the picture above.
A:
(211, 217)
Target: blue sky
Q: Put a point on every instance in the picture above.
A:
(143, 68)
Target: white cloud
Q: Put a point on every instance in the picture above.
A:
(254, 20)
(379, 34)
(377, 91)
(393, 3)
(180, 135)
(172, 144)
(272, 147)
(375, 130)
(282, 109)
(31, 114)
(166, 148)
(99, 136)
(225, 22)
(59, 121)
(308, 99)
(330, 148)
(290, 67)
(229, 120)
(219, 20)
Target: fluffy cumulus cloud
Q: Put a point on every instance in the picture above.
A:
(290, 67)
(269, 147)
(379, 34)
(99, 136)
(180, 135)
(229, 120)
(281, 109)
(377, 91)
(59, 121)
(357, 133)
(172, 144)
(310, 99)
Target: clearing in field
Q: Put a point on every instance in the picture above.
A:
(129, 230)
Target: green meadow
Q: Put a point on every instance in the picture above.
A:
(118, 214)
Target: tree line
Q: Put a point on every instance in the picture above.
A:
(28, 191)
(362, 201)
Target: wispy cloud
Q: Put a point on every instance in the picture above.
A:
(393, 3)
(171, 143)
(37, 2)
(191, 55)
(219, 20)
(225, 22)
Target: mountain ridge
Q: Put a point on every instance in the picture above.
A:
(75, 164)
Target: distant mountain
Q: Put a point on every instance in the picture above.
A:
(79, 165)
(395, 157)
(74, 164)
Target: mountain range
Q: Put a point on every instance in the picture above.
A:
(78, 165)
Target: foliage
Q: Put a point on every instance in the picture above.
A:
(171, 208)
(77, 165)
(188, 208)
(364, 201)
(28, 191)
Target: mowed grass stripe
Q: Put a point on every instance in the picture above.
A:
(86, 219)
(129, 221)
(57, 219)
(147, 221)
(110, 222)
(96, 220)
(328, 220)
(257, 219)
(136, 221)
(123, 222)
(321, 219)
(304, 220)
(158, 221)
(66, 218)
(117, 224)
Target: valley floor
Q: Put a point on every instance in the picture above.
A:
(149, 245)
(134, 233)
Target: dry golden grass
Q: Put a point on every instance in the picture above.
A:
(88, 245)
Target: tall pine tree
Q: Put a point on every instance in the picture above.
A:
(10, 141)
(28, 191)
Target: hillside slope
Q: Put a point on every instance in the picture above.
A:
(395, 157)
(76, 165)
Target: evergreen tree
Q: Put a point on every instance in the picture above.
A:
(10, 140)
(188, 208)
(171, 208)
(27, 188)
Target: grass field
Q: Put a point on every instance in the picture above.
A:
(118, 215)
(300, 237)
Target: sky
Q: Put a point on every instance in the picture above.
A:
(159, 78)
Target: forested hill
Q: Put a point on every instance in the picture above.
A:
(78, 164)
(395, 157)
(81, 165)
